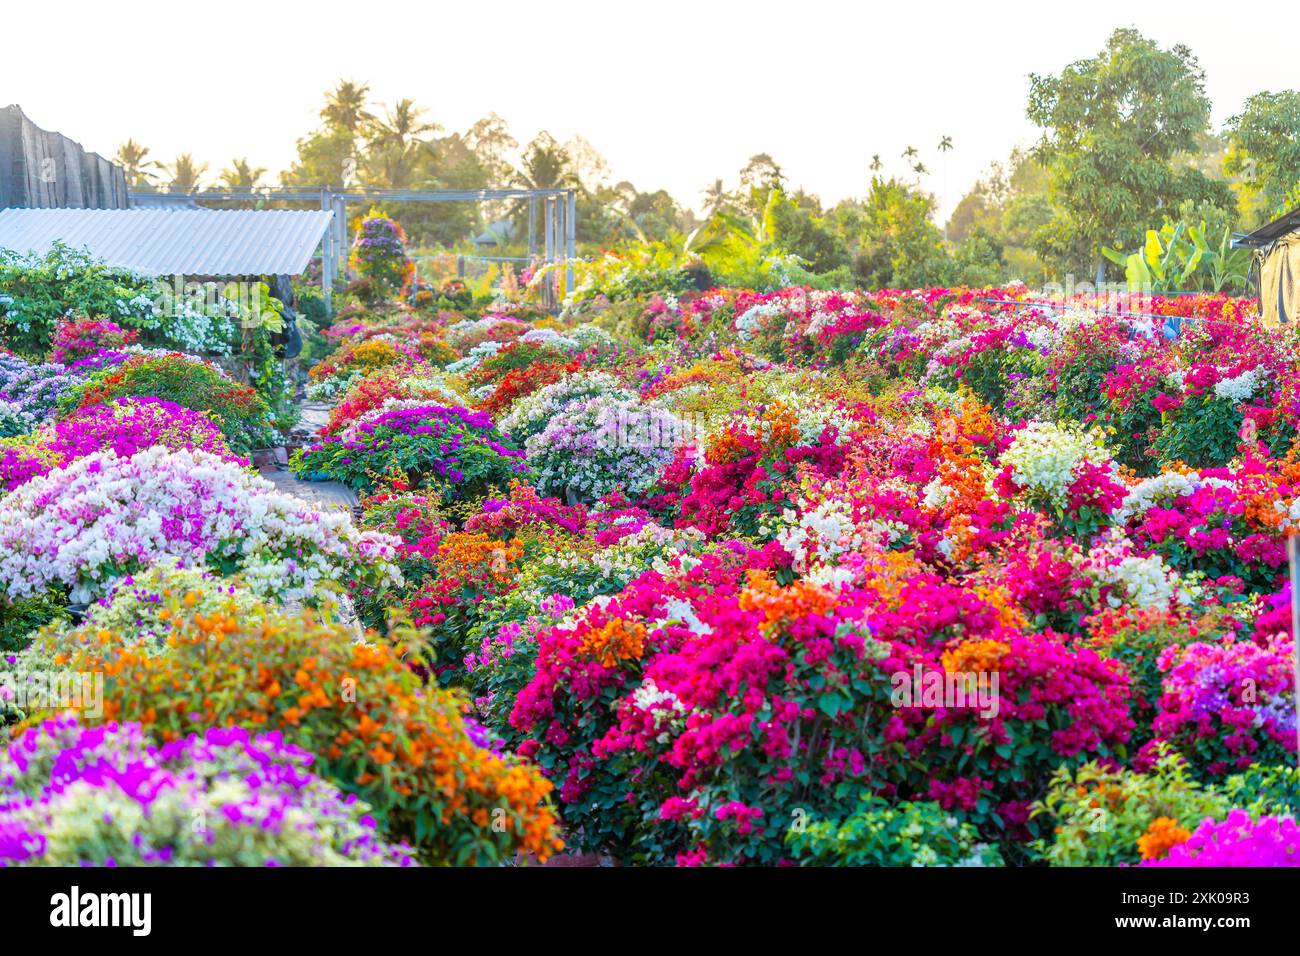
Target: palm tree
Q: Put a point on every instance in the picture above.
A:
(945, 147)
(402, 127)
(185, 174)
(876, 164)
(715, 198)
(132, 157)
(392, 166)
(396, 149)
(241, 175)
(910, 153)
(545, 165)
(345, 107)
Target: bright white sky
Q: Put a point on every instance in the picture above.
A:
(673, 93)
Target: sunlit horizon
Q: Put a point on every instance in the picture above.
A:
(661, 101)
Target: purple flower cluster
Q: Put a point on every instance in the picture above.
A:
(36, 387)
(1238, 841)
(128, 425)
(417, 446)
(255, 798)
(124, 426)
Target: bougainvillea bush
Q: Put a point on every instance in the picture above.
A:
(375, 730)
(102, 517)
(415, 444)
(77, 339)
(240, 412)
(124, 426)
(379, 256)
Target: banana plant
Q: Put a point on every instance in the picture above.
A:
(1169, 258)
(1228, 266)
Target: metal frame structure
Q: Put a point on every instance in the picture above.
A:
(558, 233)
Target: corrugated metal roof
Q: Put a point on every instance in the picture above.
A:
(1276, 229)
(164, 242)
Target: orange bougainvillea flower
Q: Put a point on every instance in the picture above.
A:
(1162, 835)
(616, 641)
(784, 603)
(974, 657)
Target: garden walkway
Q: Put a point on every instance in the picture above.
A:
(326, 495)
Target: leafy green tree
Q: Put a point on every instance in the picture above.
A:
(490, 141)
(546, 165)
(893, 240)
(331, 155)
(1004, 211)
(797, 225)
(716, 198)
(394, 146)
(1265, 148)
(1113, 128)
(327, 157)
(758, 178)
(657, 215)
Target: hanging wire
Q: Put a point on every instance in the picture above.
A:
(1172, 322)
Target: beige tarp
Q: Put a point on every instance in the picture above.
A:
(1279, 281)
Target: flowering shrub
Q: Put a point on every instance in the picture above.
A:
(376, 389)
(1224, 522)
(519, 383)
(14, 420)
(1231, 704)
(1106, 817)
(364, 357)
(108, 796)
(123, 426)
(379, 255)
(128, 425)
(22, 459)
(35, 389)
(529, 416)
(449, 448)
(748, 466)
(673, 655)
(375, 730)
(417, 524)
(142, 604)
(77, 339)
(1064, 472)
(595, 446)
(468, 568)
(881, 834)
(1136, 637)
(104, 516)
(239, 411)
